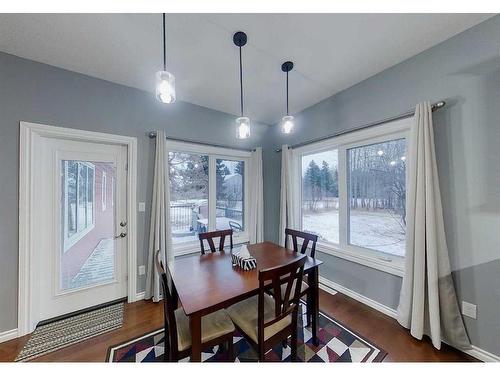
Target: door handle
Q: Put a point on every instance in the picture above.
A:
(121, 235)
(123, 224)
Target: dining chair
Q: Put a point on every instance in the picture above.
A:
(209, 237)
(216, 328)
(307, 238)
(266, 320)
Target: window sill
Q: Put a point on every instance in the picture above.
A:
(389, 265)
(194, 246)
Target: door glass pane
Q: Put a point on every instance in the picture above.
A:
(87, 244)
(188, 195)
(320, 195)
(377, 195)
(230, 194)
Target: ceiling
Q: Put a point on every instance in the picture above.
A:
(331, 52)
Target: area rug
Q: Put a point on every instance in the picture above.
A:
(59, 334)
(337, 343)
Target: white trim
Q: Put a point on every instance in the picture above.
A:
(373, 261)
(140, 296)
(482, 354)
(8, 335)
(26, 249)
(358, 297)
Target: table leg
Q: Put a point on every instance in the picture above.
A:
(314, 276)
(195, 323)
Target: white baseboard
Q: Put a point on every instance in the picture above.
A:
(328, 284)
(482, 354)
(8, 335)
(140, 296)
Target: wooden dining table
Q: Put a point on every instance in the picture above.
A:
(209, 282)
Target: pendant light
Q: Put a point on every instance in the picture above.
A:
(165, 81)
(287, 121)
(242, 122)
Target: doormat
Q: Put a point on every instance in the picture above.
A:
(65, 332)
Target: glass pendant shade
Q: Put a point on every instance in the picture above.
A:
(287, 124)
(242, 127)
(165, 87)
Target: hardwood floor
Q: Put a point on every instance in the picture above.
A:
(145, 316)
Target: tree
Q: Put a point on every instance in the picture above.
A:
(326, 179)
(312, 184)
(239, 168)
(221, 171)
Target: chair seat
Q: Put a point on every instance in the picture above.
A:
(213, 326)
(245, 314)
(303, 288)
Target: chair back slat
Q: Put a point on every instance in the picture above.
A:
(209, 237)
(168, 309)
(306, 237)
(286, 303)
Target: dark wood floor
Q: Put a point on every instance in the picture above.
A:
(145, 316)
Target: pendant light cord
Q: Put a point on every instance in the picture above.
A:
(287, 94)
(164, 45)
(241, 85)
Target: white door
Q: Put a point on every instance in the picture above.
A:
(79, 225)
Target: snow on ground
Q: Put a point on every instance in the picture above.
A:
(374, 230)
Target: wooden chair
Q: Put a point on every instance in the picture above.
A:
(266, 321)
(209, 237)
(307, 238)
(216, 328)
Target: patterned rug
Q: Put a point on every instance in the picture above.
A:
(53, 336)
(337, 343)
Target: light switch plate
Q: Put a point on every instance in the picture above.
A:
(469, 309)
(142, 270)
(142, 206)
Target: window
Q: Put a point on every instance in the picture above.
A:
(78, 200)
(208, 188)
(230, 176)
(188, 195)
(377, 195)
(320, 195)
(353, 194)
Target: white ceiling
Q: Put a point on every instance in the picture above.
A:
(331, 51)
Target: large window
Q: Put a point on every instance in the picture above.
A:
(208, 188)
(353, 194)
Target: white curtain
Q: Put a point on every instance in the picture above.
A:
(159, 235)
(428, 303)
(287, 202)
(256, 213)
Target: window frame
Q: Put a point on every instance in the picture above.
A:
(104, 190)
(398, 129)
(214, 153)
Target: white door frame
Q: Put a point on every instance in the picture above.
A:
(26, 299)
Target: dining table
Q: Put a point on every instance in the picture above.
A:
(206, 283)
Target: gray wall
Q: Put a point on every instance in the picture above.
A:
(43, 94)
(464, 71)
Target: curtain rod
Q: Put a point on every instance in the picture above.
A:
(409, 113)
(152, 134)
